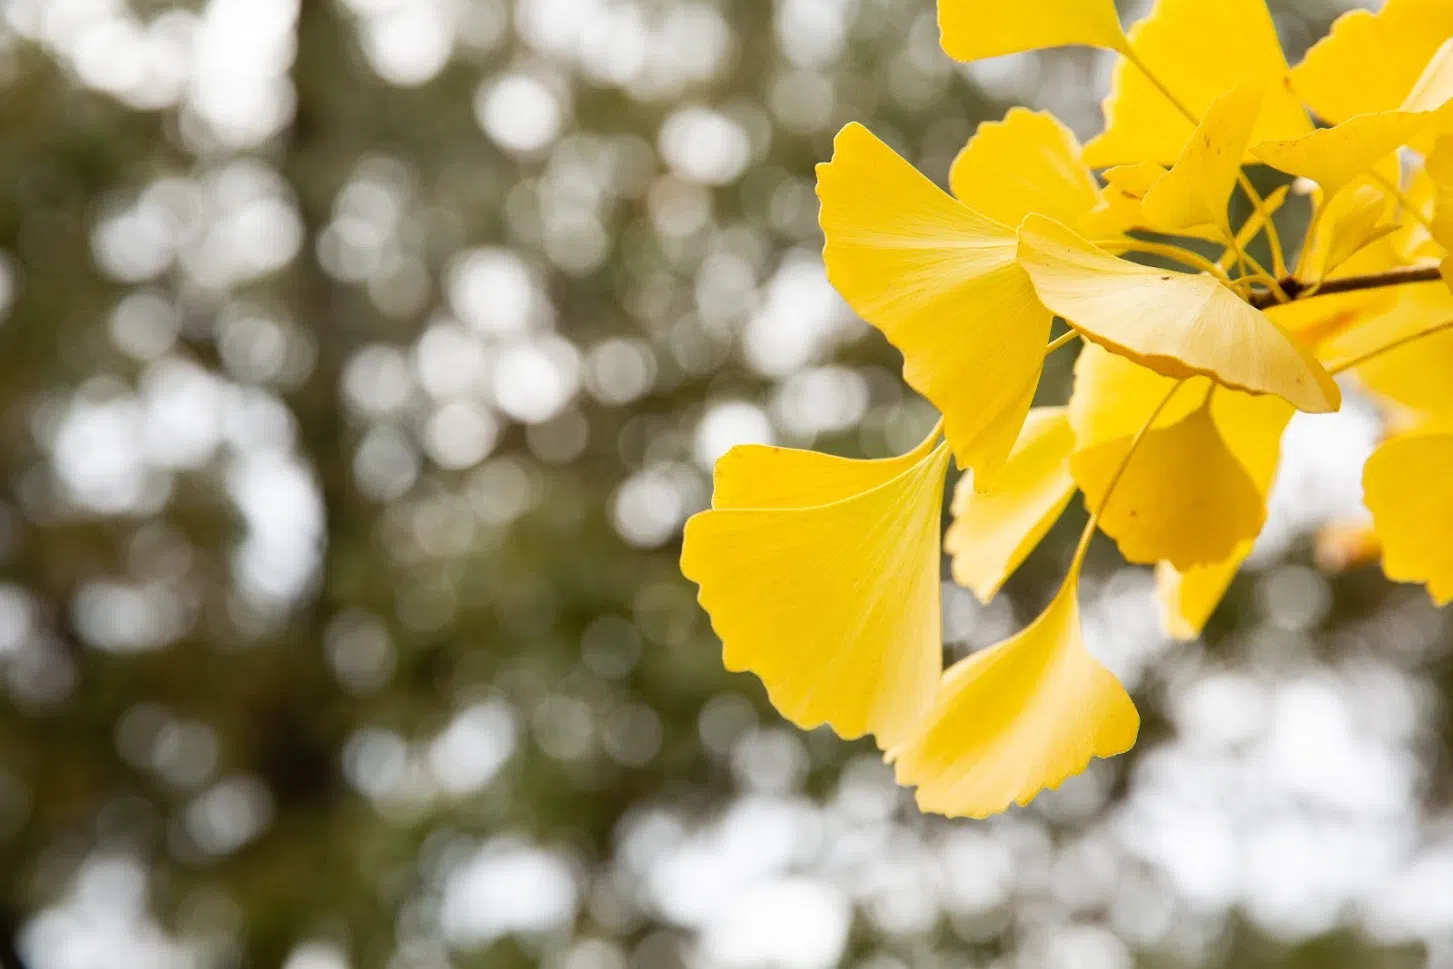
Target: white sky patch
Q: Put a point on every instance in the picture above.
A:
(506, 887)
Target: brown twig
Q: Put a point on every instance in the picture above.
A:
(1262, 298)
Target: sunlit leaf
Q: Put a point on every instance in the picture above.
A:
(1370, 62)
(1175, 324)
(1182, 496)
(992, 533)
(942, 283)
(1122, 199)
(1014, 719)
(1408, 486)
(1333, 157)
(834, 604)
(1198, 187)
(1029, 162)
(1199, 50)
(1111, 400)
(973, 29)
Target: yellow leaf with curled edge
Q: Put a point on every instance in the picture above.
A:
(1334, 157)
(942, 283)
(1198, 50)
(1111, 400)
(1182, 496)
(1370, 62)
(1029, 162)
(832, 596)
(992, 533)
(973, 29)
(1174, 323)
(1198, 187)
(1018, 717)
(1407, 484)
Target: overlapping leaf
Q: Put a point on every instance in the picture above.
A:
(942, 283)
(1018, 717)
(1199, 51)
(992, 533)
(1175, 324)
(821, 576)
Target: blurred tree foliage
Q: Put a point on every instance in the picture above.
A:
(175, 697)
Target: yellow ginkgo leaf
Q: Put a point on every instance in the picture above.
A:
(1433, 90)
(1187, 599)
(1198, 187)
(1370, 62)
(1029, 162)
(1252, 428)
(1315, 320)
(1407, 484)
(992, 533)
(1182, 497)
(1413, 242)
(1111, 400)
(833, 605)
(1358, 216)
(1333, 157)
(1113, 396)
(1014, 719)
(1439, 166)
(1199, 51)
(942, 283)
(1174, 323)
(765, 476)
(973, 29)
(1121, 198)
(1415, 376)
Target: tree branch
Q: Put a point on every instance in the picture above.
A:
(1262, 298)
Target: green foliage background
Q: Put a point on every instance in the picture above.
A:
(505, 584)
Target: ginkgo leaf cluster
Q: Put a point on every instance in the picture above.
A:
(821, 574)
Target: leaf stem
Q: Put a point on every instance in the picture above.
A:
(1257, 271)
(1060, 341)
(1273, 238)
